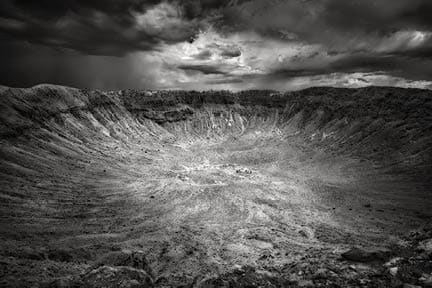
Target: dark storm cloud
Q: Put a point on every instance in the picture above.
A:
(203, 55)
(364, 63)
(337, 24)
(379, 15)
(226, 81)
(205, 69)
(230, 53)
(348, 64)
(28, 64)
(357, 35)
(410, 69)
(194, 8)
(422, 51)
(214, 49)
(215, 41)
(112, 27)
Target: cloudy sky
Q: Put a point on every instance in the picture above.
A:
(216, 44)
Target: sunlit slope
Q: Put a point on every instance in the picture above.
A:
(204, 181)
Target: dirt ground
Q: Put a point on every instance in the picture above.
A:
(222, 188)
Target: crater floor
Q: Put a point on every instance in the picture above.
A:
(204, 184)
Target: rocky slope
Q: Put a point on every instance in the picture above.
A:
(177, 188)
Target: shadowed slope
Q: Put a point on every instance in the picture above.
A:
(206, 182)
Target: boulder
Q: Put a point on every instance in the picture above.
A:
(426, 246)
(393, 271)
(426, 280)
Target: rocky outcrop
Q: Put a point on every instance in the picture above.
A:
(410, 266)
(134, 259)
(125, 269)
(116, 277)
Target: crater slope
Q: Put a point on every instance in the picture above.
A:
(206, 182)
